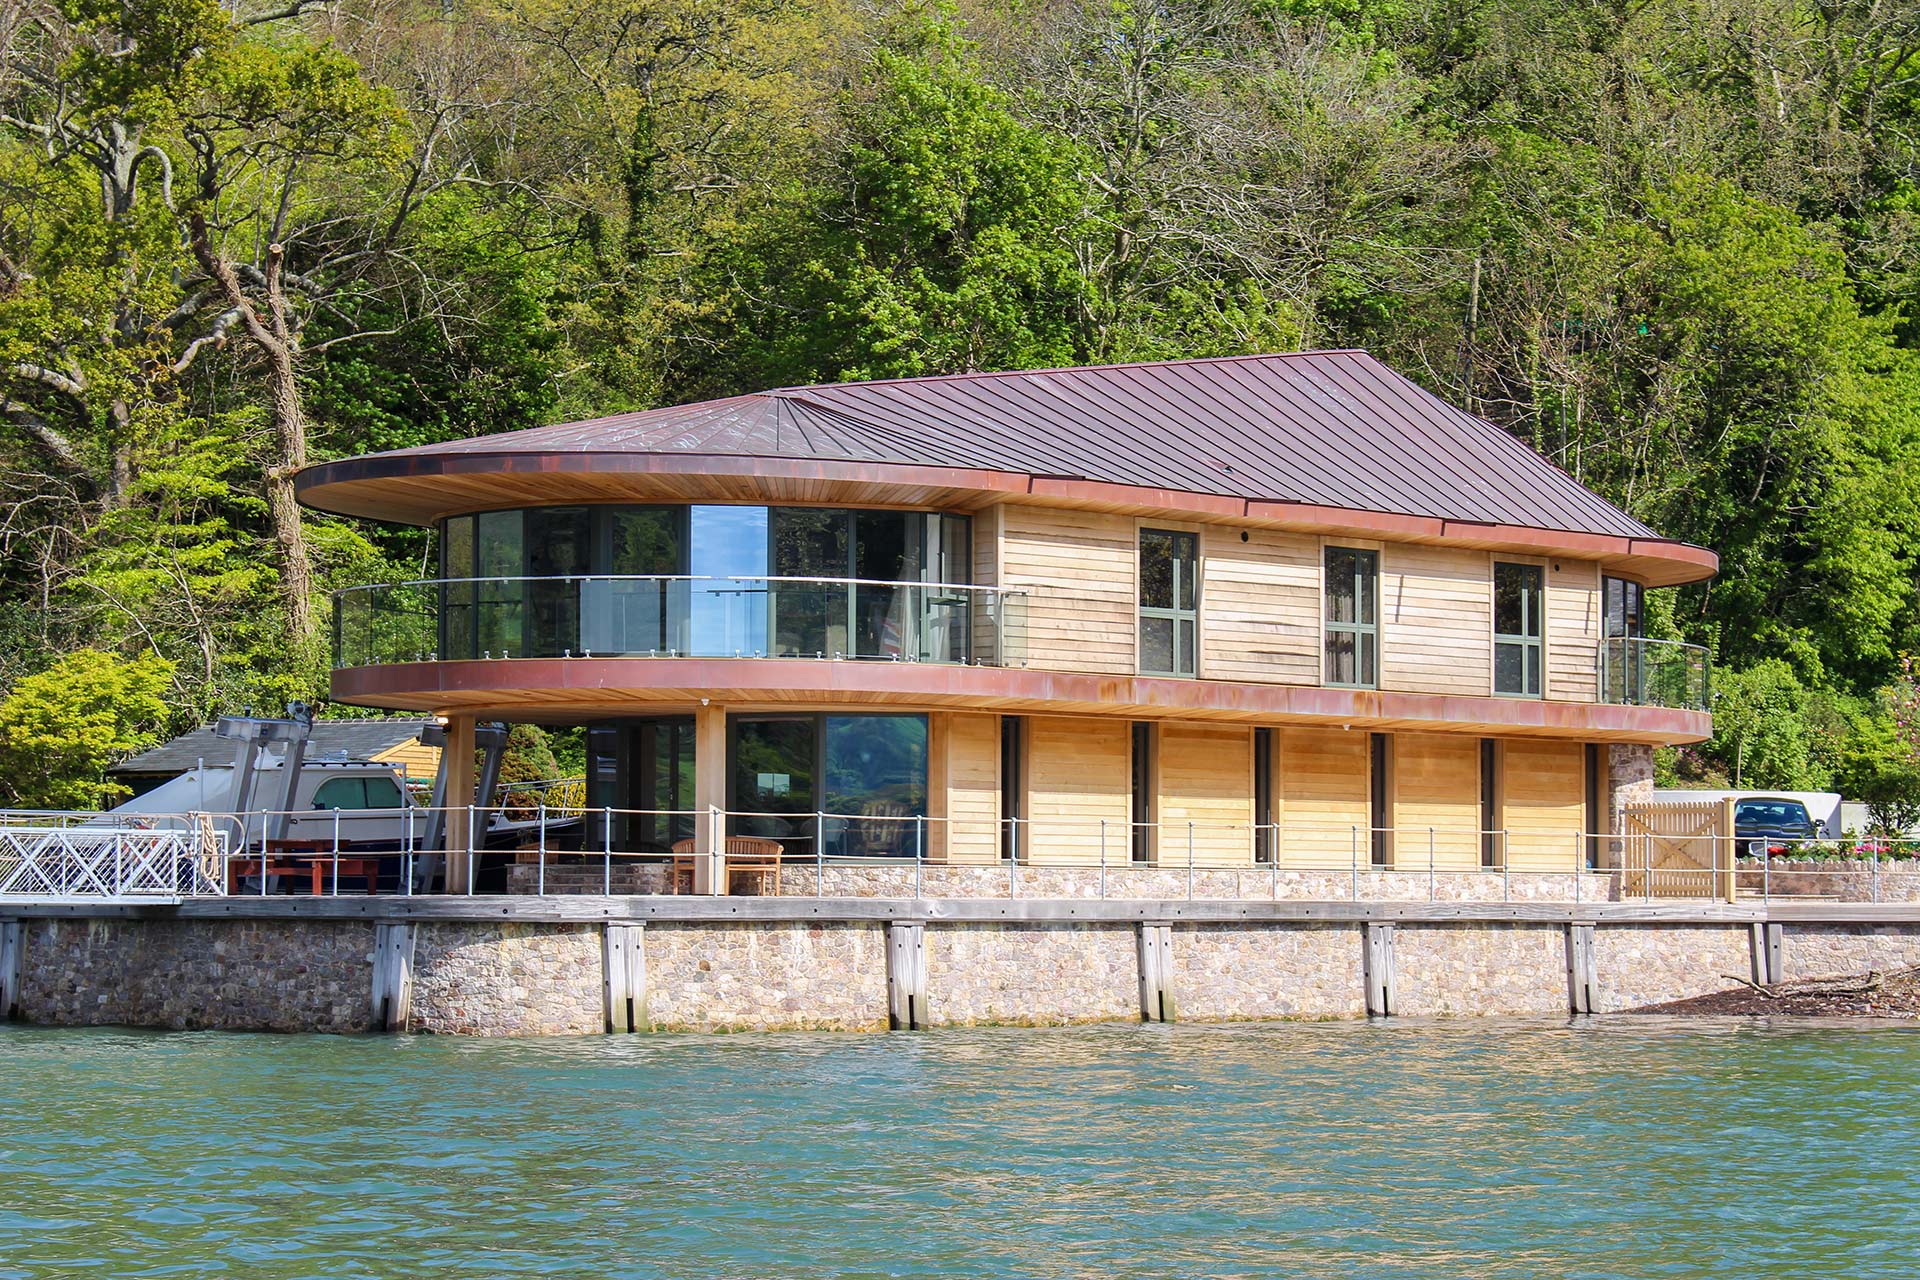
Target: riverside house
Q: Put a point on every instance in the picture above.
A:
(1277, 613)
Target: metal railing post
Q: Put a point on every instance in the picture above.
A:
(540, 877)
(406, 853)
(1189, 861)
(1579, 866)
(1353, 862)
(819, 853)
(1103, 858)
(1646, 843)
(263, 852)
(919, 849)
(1766, 877)
(1876, 871)
(1506, 871)
(1013, 863)
(606, 849)
(336, 853)
(469, 851)
(1431, 885)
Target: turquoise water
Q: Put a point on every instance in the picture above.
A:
(1620, 1148)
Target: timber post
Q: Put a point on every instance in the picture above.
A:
(624, 961)
(907, 975)
(1157, 1003)
(13, 947)
(393, 975)
(1581, 979)
(1377, 966)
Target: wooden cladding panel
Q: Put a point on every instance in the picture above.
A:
(970, 779)
(1543, 802)
(1436, 620)
(416, 759)
(1077, 775)
(1082, 612)
(1206, 778)
(1259, 606)
(1321, 797)
(1436, 801)
(1573, 630)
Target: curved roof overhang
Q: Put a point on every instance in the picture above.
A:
(421, 488)
(571, 689)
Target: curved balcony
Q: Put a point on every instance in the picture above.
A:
(452, 619)
(1655, 673)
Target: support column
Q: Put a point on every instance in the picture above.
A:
(907, 975)
(1157, 1001)
(709, 794)
(624, 960)
(1377, 968)
(393, 975)
(13, 947)
(1629, 782)
(1769, 966)
(1580, 975)
(459, 751)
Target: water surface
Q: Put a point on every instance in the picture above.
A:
(1613, 1147)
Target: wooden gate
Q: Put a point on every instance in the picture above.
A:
(1680, 849)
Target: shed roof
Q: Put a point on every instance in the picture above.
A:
(1333, 429)
(331, 739)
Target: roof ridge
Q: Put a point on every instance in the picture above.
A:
(1251, 357)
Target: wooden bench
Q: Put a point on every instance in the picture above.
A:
(313, 858)
(745, 855)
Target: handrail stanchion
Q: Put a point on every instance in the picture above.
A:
(1103, 859)
(336, 853)
(470, 851)
(606, 849)
(1431, 886)
(1353, 861)
(1579, 865)
(406, 852)
(540, 877)
(919, 850)
(819, 853)
(1013, 863)
(1273, 863)
(1875, 849)
(263, 852)
(1766, 877)
(1189, 860)
(1646, 843)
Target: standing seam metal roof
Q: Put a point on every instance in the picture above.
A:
(1326, 428)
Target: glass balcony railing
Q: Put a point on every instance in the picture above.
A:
(1654, 673)
(668, 617)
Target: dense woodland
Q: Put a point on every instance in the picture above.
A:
(1673, 244)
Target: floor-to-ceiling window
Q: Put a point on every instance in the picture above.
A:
(1624, 622)
(860, 781)
(639, 784)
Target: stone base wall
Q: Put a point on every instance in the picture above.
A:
(521, 977)
(1652, 964)
(1032, 974)
(227, 975)
(1448, 970)
(1842, 879)
(1815, 950)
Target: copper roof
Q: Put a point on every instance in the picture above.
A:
(1327, 428)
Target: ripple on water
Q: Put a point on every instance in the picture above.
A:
(1614, 1147)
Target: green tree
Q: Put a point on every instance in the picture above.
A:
(62, 727)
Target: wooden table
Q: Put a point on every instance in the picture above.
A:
(314, 862)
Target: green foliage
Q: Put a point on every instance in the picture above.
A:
(62, 727)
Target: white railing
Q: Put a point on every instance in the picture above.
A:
(73, 861)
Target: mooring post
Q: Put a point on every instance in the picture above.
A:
(1580, 974)
(624, 965)
(907, 975)
(1776, 962)
(393, 975)
(1157, 1003)
(13, 948)
(1377, 966)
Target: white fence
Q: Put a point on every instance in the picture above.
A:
(56, 861)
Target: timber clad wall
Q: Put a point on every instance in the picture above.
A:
(970, 757)
(1321, 796)
(1436, 783)
(1543, 791)
(1259, 606)
(1206, 778)
(1077, 775)
(1436, 620)
(1573, 630)
(1082, 612)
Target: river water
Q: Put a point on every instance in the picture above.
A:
(1619, 1147)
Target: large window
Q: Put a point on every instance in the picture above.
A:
(1624, 620)
(1380, 799)
(1169, 602)
(1519, 608)
(1353, 617)
(711, 580)
(1144, 817)
(1263, 824)
(1013, 787)
(859, 782)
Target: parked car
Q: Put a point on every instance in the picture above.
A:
(1768, 826)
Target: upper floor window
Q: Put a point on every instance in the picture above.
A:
(1519, 607)
(1169, 602)
(1353, 617)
